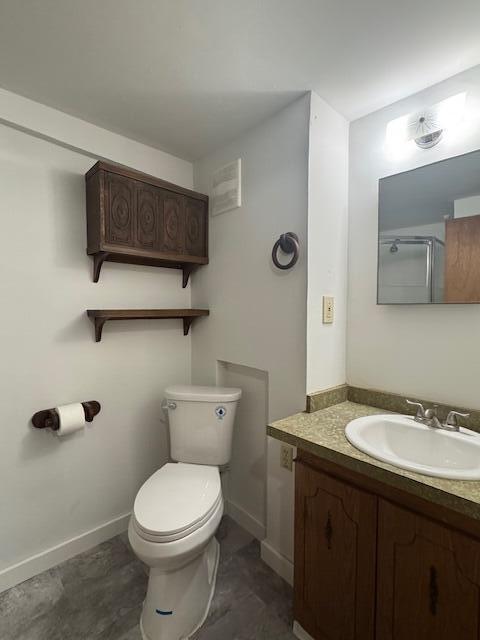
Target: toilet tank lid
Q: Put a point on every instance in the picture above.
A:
(195, 393)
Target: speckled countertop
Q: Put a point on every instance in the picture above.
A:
(323, 434)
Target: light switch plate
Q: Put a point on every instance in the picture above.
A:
(328, 309)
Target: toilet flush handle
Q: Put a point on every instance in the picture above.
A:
(168, 404)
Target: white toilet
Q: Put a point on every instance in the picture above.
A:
(178, 509)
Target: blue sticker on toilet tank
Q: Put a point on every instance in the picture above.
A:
(163, 613)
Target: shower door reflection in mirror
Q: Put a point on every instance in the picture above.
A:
(429, 234)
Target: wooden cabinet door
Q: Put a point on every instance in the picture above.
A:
(335, 546)
(428, 579)
(119, 210)
(172, 216)
(147, 217)
(195, 227)
(462, 260)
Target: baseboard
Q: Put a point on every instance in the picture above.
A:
(299, 632)
(276, 561)
(245, 520)
(30, 567)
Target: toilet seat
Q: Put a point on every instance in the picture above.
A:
(175, 501)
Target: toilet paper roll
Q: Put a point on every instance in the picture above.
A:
(71, 418)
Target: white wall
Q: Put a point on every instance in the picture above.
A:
(428, 351)
(56, 489)
(258, 313)
(58, 127)
(327, 245)
(245, 480)
(465, 207)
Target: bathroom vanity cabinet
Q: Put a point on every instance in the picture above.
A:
(373, 562)
(136, 218)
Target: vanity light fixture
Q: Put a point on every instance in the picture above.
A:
(426, 128)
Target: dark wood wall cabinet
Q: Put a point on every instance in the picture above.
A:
(136, 218)
(373, 562)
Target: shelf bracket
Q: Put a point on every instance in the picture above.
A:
(187, 271)
(187, 323)
(98, 260)
(99, 322)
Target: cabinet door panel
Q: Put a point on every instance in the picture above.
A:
(195, 227)
(462, 260)
(172, 222)
(147, 218)
(335, 543)
(428, 579)
(119, 218)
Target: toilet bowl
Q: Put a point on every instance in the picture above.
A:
(178, 510)
(175, 516)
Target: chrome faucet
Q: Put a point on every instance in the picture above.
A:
(430, 418)
(427, 417)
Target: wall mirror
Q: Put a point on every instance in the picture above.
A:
(429, 234)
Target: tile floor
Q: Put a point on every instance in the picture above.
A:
(98, 596)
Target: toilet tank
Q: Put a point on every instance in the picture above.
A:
(201, 423)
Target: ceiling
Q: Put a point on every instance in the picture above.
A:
(189, 75)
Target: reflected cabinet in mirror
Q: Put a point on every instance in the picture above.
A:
(429, 234)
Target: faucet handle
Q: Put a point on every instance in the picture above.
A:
(431, 412)
(420, 408)
(452, 418)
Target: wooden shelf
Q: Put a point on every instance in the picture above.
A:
(100, 316)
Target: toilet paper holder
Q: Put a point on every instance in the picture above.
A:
(48, 418)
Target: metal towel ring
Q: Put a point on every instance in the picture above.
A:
(288, 243)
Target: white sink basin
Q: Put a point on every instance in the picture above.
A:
(404, 443)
